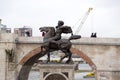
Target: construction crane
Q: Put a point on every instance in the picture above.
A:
(83, 20)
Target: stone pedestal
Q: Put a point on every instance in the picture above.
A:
(56, 71)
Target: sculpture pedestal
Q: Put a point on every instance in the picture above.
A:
(56, 71)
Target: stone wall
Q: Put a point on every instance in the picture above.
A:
(104, 52)
(7, 42)
(2, 64)
(108, 75)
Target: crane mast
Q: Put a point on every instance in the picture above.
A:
(83, 20)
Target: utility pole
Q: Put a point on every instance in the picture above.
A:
(0, 28)
(0, 24)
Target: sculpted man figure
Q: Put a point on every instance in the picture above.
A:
(58, 32)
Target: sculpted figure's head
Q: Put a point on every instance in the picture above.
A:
(60, 23)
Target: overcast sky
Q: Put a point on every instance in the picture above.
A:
(104, 18)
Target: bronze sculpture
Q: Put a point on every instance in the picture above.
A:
(52, 40)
